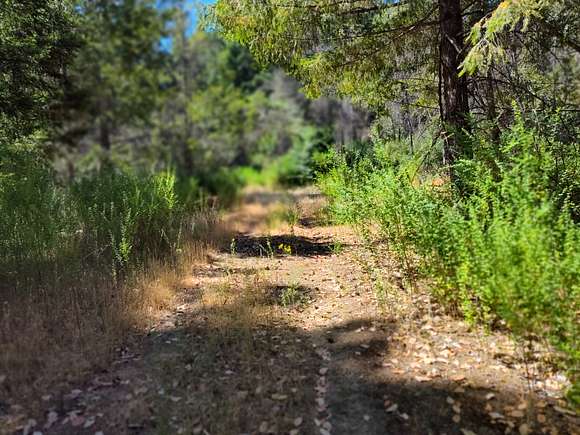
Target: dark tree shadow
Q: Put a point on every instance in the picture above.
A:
(228, 371)
(359, 390)
(277, 246)
(266, 197)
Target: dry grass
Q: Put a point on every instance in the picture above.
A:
(234, 308)
(246, 368)
(79, 317)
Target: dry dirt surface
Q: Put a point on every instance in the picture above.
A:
(294, 328)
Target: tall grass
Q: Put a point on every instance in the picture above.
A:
(85, 262)
(506, 250)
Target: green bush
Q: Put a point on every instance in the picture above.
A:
(136, 217)
(223, 184)
(36, 215)
(113, 218)
(507, 251)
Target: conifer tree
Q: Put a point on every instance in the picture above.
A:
(375, 50)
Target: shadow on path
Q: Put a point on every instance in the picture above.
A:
(231, 373)
(277, 246)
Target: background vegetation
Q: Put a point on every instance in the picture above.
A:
(123, 130)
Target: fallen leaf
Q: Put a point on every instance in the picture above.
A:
(298, 421)
(323, 371)
(263, 427)
(456, 418)
(541, 418)
(524, 429)
(422, 378)
(450, 400)
(51, 418)
(457, 409)
(29, 426)
(564, 410)
(89, 422)
(73, 394)
(76, 420)
(489, 396)
(392, 408)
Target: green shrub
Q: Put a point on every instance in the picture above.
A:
(223, 184)
(507, 251)
(136, 217)
(251, 176)
(114, 218)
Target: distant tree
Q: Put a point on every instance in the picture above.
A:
(369, 50)
(37, 41)
(118, 73)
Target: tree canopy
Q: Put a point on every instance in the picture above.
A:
(375, 51)
(37, 42)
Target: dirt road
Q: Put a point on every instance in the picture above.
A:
(296, 328)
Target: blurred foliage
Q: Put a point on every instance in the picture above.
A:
(37, 42)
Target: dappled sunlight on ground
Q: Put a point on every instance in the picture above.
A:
(295, 339)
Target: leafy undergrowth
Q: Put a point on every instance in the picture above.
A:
(505, 252)
(84, 264)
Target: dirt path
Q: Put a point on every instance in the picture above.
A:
(284, 331)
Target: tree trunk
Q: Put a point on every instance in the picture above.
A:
(105, 134)
(184, 54)
(454, 103)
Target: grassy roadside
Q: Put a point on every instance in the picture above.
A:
(503, 253)
(85, 264)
